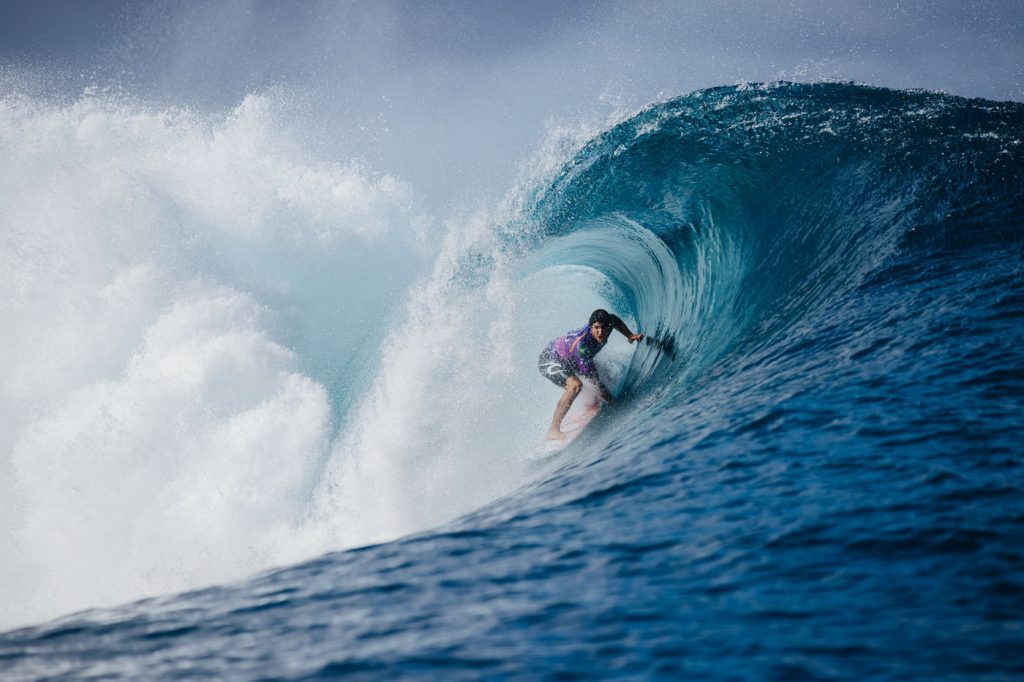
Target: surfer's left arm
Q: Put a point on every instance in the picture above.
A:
(595, 379)
(588, 370)
(621, 327)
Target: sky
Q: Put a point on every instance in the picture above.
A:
(458, 96)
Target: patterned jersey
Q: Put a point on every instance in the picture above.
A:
(578, 349)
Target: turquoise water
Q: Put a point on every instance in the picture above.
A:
(813, 469)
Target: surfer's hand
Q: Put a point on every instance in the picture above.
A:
(636, 337)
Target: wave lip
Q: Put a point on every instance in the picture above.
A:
(777, 200)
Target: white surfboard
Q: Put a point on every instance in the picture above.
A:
(572, 426)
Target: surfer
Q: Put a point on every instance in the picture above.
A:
(573, 354)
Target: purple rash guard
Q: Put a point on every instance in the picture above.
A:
(577, 349)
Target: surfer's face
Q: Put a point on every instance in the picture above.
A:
(600, 331)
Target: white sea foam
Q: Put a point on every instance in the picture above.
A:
(176, 291)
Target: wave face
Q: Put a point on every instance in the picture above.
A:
(813, 469)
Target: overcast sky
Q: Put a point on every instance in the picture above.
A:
(406, 83)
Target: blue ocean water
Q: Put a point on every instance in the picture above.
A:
(813, 469)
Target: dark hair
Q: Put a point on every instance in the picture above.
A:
(601, 315)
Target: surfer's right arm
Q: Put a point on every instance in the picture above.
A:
(621, 327)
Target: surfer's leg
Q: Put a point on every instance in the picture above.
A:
(572, 389)
(553, 369)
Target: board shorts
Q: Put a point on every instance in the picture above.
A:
(554, 368)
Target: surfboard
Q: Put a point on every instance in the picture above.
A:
(572, 426)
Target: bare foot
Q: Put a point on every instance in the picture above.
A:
(555, 435)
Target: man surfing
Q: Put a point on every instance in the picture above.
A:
(573, 354)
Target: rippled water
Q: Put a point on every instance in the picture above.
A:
(814, 470)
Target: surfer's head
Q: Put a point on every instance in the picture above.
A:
(600, 324)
